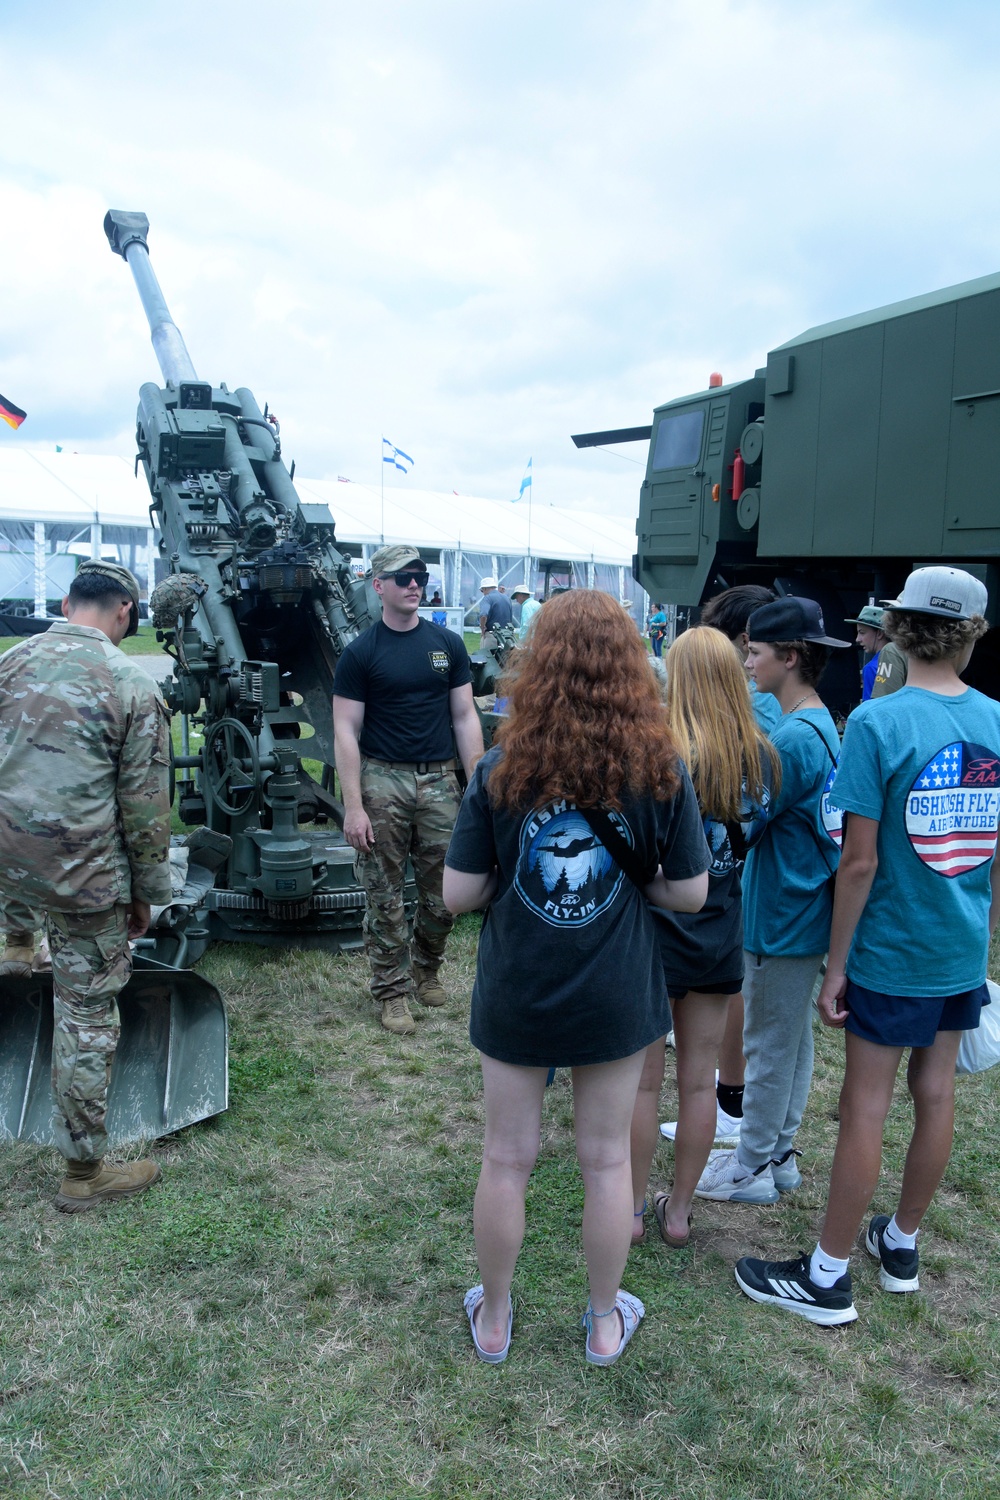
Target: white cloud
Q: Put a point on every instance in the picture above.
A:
(476, 228)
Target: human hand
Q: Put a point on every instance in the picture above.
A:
(139, 916)
(358, 831)
(831, 1010)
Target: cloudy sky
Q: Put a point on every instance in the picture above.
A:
(476, 227)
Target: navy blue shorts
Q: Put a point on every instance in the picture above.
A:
(911, 1020)
(723, 987)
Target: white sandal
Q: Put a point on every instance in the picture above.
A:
(470, 1302)
(632, 1312)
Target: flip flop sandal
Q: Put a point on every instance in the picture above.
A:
(470, 1302)
(675, 1243)
(632, 1312)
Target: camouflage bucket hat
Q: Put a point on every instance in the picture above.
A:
(389, 559)
(126, 581)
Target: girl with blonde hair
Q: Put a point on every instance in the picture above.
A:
(735, 772)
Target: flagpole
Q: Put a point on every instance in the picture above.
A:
(381, 465)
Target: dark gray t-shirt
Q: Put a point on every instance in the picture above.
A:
(497, 609)
(568, 971)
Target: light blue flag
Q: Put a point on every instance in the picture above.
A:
(393, 456)
(525, 483)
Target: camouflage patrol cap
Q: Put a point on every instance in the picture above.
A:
(120, 575)
(388, 559)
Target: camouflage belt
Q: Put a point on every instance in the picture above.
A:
(421, 767)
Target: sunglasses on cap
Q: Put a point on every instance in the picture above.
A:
(406, 576)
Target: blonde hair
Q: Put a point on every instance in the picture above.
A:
(712, 719)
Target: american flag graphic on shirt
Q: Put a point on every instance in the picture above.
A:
(952, 808)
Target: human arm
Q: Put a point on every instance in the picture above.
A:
(464, 891)
(348, 719)
(858, 863)
(677, 895)
(465, 723)
(142, 795)
(994, 894)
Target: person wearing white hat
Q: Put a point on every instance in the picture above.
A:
(495, 610)
(529, 607)
(918, 896)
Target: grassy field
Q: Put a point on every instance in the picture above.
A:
(282, 1316)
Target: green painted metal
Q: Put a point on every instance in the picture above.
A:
(171, 1068)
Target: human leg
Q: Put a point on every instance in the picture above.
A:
(513, 1105)
(865, 1097)
(777, 1042)
(389, 798)
(930, 1078)
(699, 1022)
(732, 1063)
(438, 801)
(643, 1130)
(603, 1102)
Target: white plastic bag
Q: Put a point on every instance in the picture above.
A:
(980, 1049)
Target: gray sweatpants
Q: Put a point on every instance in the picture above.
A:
(778, 1043)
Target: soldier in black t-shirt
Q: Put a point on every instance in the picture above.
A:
(402, 701)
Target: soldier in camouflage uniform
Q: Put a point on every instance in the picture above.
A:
(84, 834)
(401, 690)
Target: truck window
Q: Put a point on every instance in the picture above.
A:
(678, 440)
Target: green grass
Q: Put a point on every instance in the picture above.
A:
(281, 1316)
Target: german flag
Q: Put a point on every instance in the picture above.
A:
(11, 414)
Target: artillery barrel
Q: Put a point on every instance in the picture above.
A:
(126, 234)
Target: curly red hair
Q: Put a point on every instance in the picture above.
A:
(586, 719)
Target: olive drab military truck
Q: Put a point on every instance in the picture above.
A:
(863, 448)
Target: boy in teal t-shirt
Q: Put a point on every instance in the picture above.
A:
(786, 906)
(918, 895)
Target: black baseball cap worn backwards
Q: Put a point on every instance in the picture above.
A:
(791, 619)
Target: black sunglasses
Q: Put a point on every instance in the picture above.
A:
(406, 577)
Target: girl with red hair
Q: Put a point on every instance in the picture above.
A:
(583, 782)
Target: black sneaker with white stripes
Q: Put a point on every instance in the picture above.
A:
(787, 1283)
(897, 1268)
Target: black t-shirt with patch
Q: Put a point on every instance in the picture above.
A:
(404, 677)
(568, 971)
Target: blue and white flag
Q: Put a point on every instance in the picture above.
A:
(392, 455)
(525, 483)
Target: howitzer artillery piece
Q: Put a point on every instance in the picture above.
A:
(256, 609)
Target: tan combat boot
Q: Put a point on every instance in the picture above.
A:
(396, 1016)
(18, 957)
(91, 1182)
(429, 991)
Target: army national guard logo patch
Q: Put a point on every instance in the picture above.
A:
(564, 873)
(440, 661)
(952, 809)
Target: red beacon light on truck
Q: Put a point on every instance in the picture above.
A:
(714, 380)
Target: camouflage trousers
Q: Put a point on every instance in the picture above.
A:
(412, 815)
(20, 923)
(90, 965)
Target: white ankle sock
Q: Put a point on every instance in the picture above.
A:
(825, 1269)
(896, 1239)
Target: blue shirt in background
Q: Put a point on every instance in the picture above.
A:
(787, 903)
(927, 767)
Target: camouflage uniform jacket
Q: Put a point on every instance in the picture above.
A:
(84, 765)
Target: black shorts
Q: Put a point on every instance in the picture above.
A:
(911, 1020)
(723, 987)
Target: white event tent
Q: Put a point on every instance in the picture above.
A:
(54, 506)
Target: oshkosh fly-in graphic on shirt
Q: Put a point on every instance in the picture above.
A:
(952, 808)
(831, 817)
(564, 873)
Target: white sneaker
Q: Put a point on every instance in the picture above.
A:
(726, 1180)
(727, 1128)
